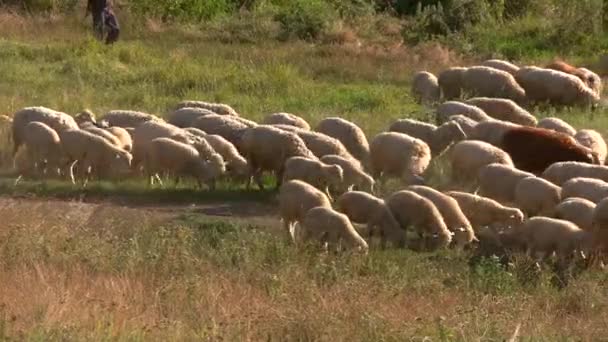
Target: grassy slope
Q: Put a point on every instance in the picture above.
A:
(126, 274)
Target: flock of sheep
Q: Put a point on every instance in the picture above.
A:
(540, 186)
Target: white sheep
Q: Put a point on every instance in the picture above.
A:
(56, 120)
(449, 108)
(411, 209)
(111, 138)
(450, 82)
(556, 87)
(594, 141)
(591, 80)
(314, 172)
(576, 210)
(218, 108)
(438, 138)
(501, 65)
(123, 136)
(322, 144)
(236, 164)
(491, 131)
(398, 155)
(222, 125)
(288, 128)
(490, 82)
(425, 87)
(289, 119)
(329, 226)
(469, 156)
(498, 181)
(86, 116)
(43, 146)
(455, 220)
(556, 124)
(537, 196)
(127, 118)
(267, 149)
(354, 176)
(588, 188)
(296, 198)
(503, 109)
(349, 134)
(184, 117)
(559, 173)
(482, 211)
(465, 123)
(363, 208)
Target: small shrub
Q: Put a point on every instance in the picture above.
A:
(305, 19)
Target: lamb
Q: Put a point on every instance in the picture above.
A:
(438, 138)
(536, 196)
(167, 156)
(411, 209)
(322, 144)
(534, 149)
(124, 137)
(465, 123)
(454, 218)
(398, 155)
(490, 82)
(559, 173)
(501, 65)
(218, 108)
(593, 140)
(491, 131)
(286, 119)
(296, 198)
(556, 124)
(223, 126)
(267, 149)
(43, 146)
(329, 226)
(555, 87)
(576, 210)
(450, 82)
(363, 208)
(56, 120)
(314, 172)
(504, 109)
(127, 118)
(425, 87)
(588, 188)
(469, 156)
(184, 117)
(483, 211)
(498, 181)
(349, 134)
(354, 176)
(449, 108)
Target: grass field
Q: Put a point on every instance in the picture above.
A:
(129, 263)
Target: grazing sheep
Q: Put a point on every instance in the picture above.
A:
(24, 166)
(127, 118)
(454, 218)
(288, 128)
(246, 122)
(363, 208)
(490, 82)
(425, 87)
(594, 141)
(218, 108)
(449, 108)
(349, 134)
(56, 120)
(170, 157)
(296, 198)
(111, 138)
(491, 131)
(536, 196)
(329, 226)
(469, 156)
(86, 116)
(534, 149)
(398, 155)
(184, 117)
(314, 172)
(267, 149)
(438, 138)
(498, 181)
(465, 123)
(411, 209)
(483, 211)
(556, 124)
(503, 109)
(450, 82)
(354, 176)
(576, 210)
(555, 87)
(43, 146)
(589, 78)
(322, 144)
(559, 173)
(501, 65)
(196, 131)
(588, 188)
(236, 164)
(223, 126)
(286, 119)
(123, 136)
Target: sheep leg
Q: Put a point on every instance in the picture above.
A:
(18, 180)
(258, 179)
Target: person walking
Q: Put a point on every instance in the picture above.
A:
(104, 20)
